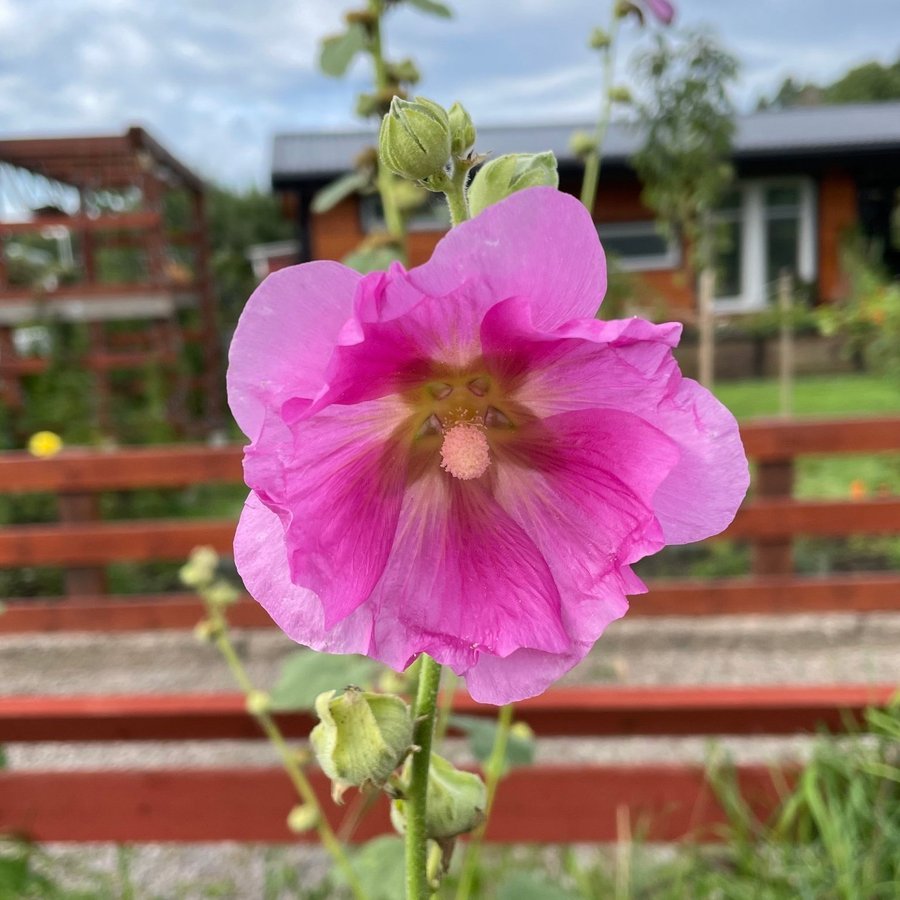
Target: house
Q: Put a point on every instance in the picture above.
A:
(805, 178)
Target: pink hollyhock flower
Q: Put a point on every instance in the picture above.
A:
(459, 459)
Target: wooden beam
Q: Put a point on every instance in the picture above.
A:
(102, 543)
(546, 804)
(775, 439)
(571, 712)
(121, 470)
(851, 593)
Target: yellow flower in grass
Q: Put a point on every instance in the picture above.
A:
(44, 444)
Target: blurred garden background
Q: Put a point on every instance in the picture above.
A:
(158, 161)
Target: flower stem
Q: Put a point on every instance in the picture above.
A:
(416, 797)
(592, 163)
(393, 218)
(289, 759)
(455, 192)
(493, 772)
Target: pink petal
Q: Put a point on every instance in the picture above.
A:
(539, 244)
(581, 485)
(285, 338)
(336, 481)
(628, 365)
(662, 9)
(261, 558)
(463, 578)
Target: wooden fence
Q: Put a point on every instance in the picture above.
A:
(541, 803)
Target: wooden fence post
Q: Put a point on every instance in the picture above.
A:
(774, 478)
(81, 581)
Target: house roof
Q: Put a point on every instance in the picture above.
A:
(800, 131)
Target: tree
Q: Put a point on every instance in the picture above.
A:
(872, 82)
(687, 119)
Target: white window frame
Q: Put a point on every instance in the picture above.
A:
(752, 216)
(671, 259)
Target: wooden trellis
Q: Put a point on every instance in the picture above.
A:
(98, 197)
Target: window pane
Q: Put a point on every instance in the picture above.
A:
(647, 243)
(729, 259)
(782, 196)
(782, 241)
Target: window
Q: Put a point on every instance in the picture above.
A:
(639, 246)
(433, 215)
(763, 227)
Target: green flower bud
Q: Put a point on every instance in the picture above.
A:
(258, 702)
(302, 818)
(404, 71)
(206, 631)
(200, 569)
(462, 131)
(414, 140)
(505, 175)
(599, 39)
(361, 737)
(456, 801)
(582, 144)
(221, 592)
(620, 94)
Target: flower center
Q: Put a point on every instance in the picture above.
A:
(464, 451)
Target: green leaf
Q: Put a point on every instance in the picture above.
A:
(483, 732)
(433, 8)
(531, 886)
(376, 259)
(338, 51)
(380, 866)
(332, 194)
(306, 674)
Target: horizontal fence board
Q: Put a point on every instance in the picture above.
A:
(772, 439)
(847, 593)
(783, 518)
(181, 465)
(540, 804)
(100, 543)
(575, 712)
(120, 470)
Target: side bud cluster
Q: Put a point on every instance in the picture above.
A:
(361, 738)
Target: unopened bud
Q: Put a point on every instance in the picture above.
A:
(404, 71)
(200, 569)
(302, 818)
(206, 631)
(414, 140)
(599, 39)
(582, 144)
(503, 176)
(361, 737)
(221, 592)
(462, 131)
(258, 703)
(619, 94)
(455, 805)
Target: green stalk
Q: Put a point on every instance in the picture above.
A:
(455, 191)
(393, 218)
(288, 757)
(592, 163)
(416, 796)
(493, 772)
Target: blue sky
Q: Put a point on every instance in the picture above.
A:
(215, 79)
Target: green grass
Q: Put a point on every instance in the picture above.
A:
(819, 395)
